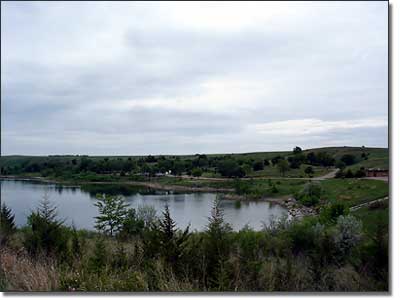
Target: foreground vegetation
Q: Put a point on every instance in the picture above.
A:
(135, 250)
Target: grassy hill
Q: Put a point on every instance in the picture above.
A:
(364, 157)
(377, 155)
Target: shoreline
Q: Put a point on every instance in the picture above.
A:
(153, 185)
(295, 210)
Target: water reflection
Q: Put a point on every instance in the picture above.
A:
(76, 204)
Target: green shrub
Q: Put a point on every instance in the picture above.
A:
(310, 194)
(242, 187)
(331, 212)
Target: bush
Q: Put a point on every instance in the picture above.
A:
(309, 170)
(132, 225)
(273, 189)
(348, 159)
(242, 187)
(348, 234)
(98, 260)
(258, 166)
(197, 172)
(360, 173)
(349, 174)
(332, 212)
(311, 194)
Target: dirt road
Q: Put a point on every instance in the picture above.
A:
(329, 175)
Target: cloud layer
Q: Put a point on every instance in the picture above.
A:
(139, 78)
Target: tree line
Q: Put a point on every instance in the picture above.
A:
(224, 165)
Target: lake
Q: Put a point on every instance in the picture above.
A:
(76, 204)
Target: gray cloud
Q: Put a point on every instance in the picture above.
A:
(130, 78)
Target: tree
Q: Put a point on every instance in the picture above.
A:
(178, 167)
(340, 165)
(230, 168)
(132, 225)
(276, 159)
(7, 224)
(217, 246)
(258, 165)
(311, 158)
(46, 232)
(296, 160)
(172, 243)
(197, 172)
(348, 159)
(112, 213)
(309, 170)
(283, 166)
(324, 159)
(297, 150)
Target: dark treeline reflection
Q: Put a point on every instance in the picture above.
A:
(118, 189)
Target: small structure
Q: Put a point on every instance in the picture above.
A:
(377, 173)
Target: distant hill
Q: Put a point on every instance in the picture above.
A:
(375, 157)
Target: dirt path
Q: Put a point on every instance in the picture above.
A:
(386, 179)
(356, 207)
(329, 175)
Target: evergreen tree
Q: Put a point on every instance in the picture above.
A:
(46, 232)
(7, 224)
(217, 247)
(172, 241)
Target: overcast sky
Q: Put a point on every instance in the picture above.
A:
(180, 78)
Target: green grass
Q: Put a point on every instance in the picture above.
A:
(353, 191)
(372, 218)
(273, 171)
(377, 157)
(194, 182)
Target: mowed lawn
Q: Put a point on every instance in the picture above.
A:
(354, 191)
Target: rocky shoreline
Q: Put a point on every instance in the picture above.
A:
(295, 209)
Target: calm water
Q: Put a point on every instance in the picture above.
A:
(76, 204)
